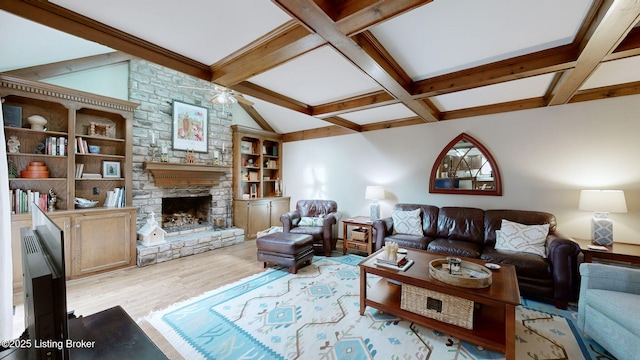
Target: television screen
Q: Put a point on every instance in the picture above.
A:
(45, 298)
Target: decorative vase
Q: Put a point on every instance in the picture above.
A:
(37, 122)
(13, 144)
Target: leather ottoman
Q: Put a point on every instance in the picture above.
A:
(285, 249)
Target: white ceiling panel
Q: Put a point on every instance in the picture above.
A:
(204, 30)
(318, 77)
(494, 94)
(614, 72)
(33, 44)
(382, 113)
(442, 36)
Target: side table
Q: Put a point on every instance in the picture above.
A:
(363, 222)
(618, 252)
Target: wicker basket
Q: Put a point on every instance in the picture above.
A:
(359, 234)
(432, 304)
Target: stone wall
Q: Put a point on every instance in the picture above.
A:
(155, 87)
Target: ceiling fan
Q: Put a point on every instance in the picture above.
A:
(223, 96)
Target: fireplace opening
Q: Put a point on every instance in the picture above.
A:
(181, 213)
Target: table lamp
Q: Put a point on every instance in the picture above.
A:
(375, 193)
(602, 202)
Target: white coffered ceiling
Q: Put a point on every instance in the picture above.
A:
(355, 65)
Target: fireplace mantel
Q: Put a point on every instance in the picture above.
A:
(174, 174)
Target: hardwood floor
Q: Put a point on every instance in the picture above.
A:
(141, 291)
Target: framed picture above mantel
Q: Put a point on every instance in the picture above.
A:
(190, 127)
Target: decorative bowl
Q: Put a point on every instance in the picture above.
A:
(94, 149)
(37, 122)
(84, 203)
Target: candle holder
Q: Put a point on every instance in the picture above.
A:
(224, 152)
(164, 154)
(153, 150)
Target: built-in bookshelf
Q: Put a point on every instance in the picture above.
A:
(257, 180)
(77, 122)
(50, 165)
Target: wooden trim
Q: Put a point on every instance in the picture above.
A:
(172, 174)
(36, 87)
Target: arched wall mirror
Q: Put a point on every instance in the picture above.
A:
(465, 167)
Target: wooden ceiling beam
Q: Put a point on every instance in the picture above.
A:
(59, 18)
(606, 92)
(360, 102)
(336, 120)
(630, 46)
(318, 133)
(267, 95)
(538, 63)
(275, 48)
(355, 16)
(614, 21)
(310, 15)
(69, 66)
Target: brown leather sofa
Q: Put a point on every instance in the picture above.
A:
(471, 232)
(323, 239)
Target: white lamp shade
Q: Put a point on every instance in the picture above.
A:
(374, 192)
(603, 201)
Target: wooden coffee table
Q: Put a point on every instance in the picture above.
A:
(494, 321)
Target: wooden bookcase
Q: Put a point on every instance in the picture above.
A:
(257, 180)
(70, 115)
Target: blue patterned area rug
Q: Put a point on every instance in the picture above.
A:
(315, 315)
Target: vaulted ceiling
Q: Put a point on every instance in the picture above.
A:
(317, 68)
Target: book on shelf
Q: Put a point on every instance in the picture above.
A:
(79, 170)
(115, 198)
(91, 176)
(81, 146)
(22, 201)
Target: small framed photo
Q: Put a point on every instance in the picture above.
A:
(190, 123)
(111, 169)
(246, 147)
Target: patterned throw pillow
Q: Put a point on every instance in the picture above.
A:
(311, 221)
(407, 222)
(526, 238)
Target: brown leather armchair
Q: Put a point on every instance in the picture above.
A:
(323, 239)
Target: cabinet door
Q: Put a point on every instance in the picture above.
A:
(101, 242)
(16, 248)
(278, 207)
(259, 219)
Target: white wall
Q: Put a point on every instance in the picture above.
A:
(546, 156)
(111, 80)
